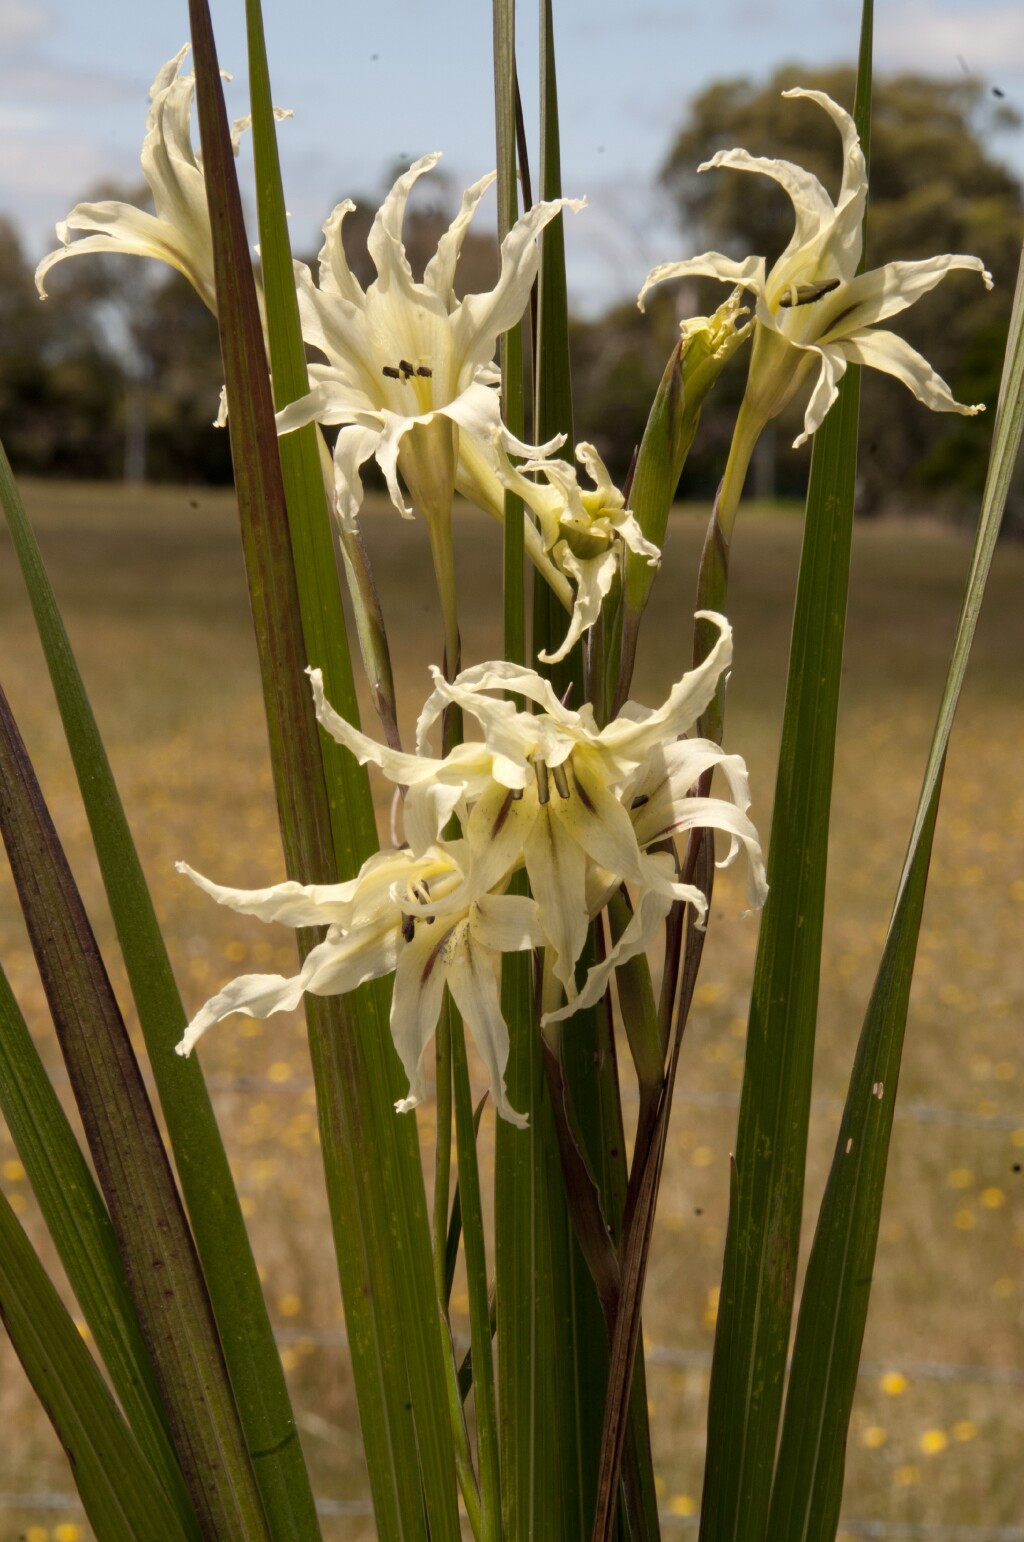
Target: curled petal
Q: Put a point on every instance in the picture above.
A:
(811, 204)
(481, 318)
(439, 274)
(826, 389)
(593, 581)
(889, 353)
(749, 273)
(332, 968)
(384, 243)
(293, 904)
(639, 729)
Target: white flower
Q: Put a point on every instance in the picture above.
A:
(552, 791)
(416, 916)
(179, 232)
(814, 312)
(409, 370)
(584, 532)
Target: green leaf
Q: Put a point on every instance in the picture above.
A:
(552, 411)
(763, 1235)
(833, 1310)
(210, 1195)
(530, 1224)
(77, 1220)
(119, 1490)
(511, 343)
(378, 1209)
(156, 1245)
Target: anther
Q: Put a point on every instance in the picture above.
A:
(540, 771)
(561, 780)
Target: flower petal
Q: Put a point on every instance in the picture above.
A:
(508, 923)
(332, 968)
(855, 173)
(497, 831)
(481, 318)
(812, 206)
(474, 987)
(439, 274)
(466, 767)
(416, 1002)
(594, 580)
(598, 820)
(355, 444)
(749, 273)
(384, 242)
(889, 353)
(884, 292)
(639, 729)
(826, 389)
(556, 866)
(292, 904)
(253, 995)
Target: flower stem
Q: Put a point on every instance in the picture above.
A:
(745, 436)
(476, 1282)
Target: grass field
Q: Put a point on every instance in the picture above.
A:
(152, 589)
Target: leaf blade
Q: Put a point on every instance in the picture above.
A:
(118, 1489)
(833, 1311)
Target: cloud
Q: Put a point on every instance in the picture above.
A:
(921, 35)
(45, 85)
(20, 21)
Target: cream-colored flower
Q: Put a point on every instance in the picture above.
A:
(179, 232)
(550, 790)
(418, 917)
(584, 532)
(409, 373)
(814, 313)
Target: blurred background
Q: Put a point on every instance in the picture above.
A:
(107, 392)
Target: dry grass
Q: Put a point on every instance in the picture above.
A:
(152, 589)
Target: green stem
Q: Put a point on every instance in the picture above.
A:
(366, 610)
(476, 1282)
(749, 426)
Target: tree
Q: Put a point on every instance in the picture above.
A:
(935, 187)
(59, 391)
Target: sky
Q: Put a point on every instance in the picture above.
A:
(375, 84)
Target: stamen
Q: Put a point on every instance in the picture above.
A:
(807, 294)
(408, 928)
(540, 771)
(424, 371)
(406, 368)
(561, 780)
(391, 373)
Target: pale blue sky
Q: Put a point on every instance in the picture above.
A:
(375, 83)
